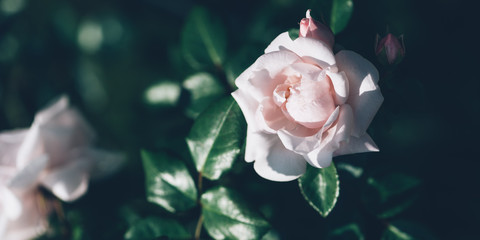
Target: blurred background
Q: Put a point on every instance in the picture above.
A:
(123, 66)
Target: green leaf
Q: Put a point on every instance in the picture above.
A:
(168, 182)
(216, 138)
(320, 187)
(390, 195)
(203, 39)
(294, 33)
(203, 89)
(340, 14)
(154, 228)
(406, 230)
(350, 231)
(336, 12)
(227, 216)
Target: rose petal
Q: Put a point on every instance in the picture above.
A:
(46, 115)
(32, 222)
(321, 156)
(27, 177)
(9, 204)
(67, 131)
(10, 141)
(249, 107)
(357, 145)
(309, 49)
(305, 144)
(272, 160)
(262, 77)
(68, 182)
(30, 148)
(310, 103)
(364, 94)
(340, 86)
(270, 116)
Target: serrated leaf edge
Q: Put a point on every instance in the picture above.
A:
(337, 193)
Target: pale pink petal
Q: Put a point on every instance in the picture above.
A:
(357, 145)
(10, 141)
(253, 141)
(306, 70)
(3, 224)
(68, 182)
(33, 220)
(332, 139)
(281, 42)
(270, 116)
(31, 147)
(272, 160)
(27, 177)
(248, 105)
(340, 86)
(10, 205)
(261, 79)
(310, 103)
(49, 112)
(364, 94)
(67, 130)
(308, 49)
(305, 144)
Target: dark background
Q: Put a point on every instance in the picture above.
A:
(427, 127)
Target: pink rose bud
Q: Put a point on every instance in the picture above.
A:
(390, 50)
(312, 28)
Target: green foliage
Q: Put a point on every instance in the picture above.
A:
(350, 231)
(406, 230)
(390, 195)
(337, 12)
(203, 39)
(294, 33)
(156, 227)
(216, 138)
(142, 73)
(227, 216)
(320, 187)
(168, 182)
(204, 89)
(340, 15)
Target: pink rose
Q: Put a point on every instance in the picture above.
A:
(304, 104)
(56, 152)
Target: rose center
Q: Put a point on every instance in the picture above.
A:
(304, 100)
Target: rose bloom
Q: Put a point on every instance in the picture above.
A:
(54, 153)
(303, 103)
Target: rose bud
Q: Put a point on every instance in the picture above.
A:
(390, 50)
(312, 28)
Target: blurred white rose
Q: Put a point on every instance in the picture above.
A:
(56, 152)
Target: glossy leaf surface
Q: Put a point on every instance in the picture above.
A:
(168, 182)
(216, 138)
(227, 216)
(320, 187)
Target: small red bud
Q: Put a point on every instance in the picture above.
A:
(312, 28)
(390, 50)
